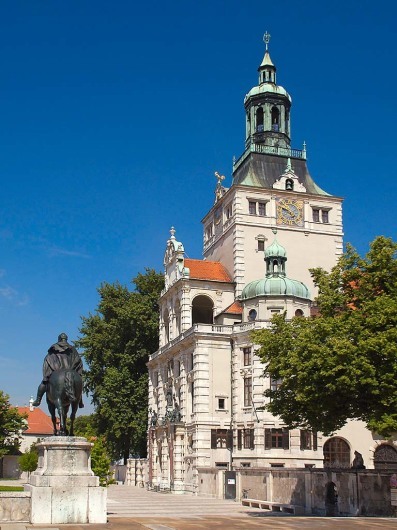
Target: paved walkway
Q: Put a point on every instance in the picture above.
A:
(131, 508)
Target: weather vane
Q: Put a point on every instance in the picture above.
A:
(266, 39)
(219, 177)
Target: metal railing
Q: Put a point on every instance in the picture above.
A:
(270, 150)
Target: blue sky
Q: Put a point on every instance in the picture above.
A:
(115, 115)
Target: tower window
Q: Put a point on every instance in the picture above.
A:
(259, 119)
(252, 315)
(320, 215)
(299, 313)
(262, 208)
(221, 403)
(289, 184)
(275, 119)
(261, 245)
(252, 207)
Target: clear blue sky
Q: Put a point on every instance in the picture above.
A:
(115, 115)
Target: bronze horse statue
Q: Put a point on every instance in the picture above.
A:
(64, 390)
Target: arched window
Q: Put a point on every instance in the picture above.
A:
(299, 313)
(252, 315)
(275, 119)
(202, 310)
(289, 184)
(336, 453)
(385, 457)
(259, 119)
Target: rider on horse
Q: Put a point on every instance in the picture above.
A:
(60, 355)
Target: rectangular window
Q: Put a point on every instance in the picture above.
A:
(229, 211)
(221, 403)
(276, 439)
(252, 207)
(308, 440)
(261, 245)
(262, 208)
(155, 379)
(245, 439)
(316, 215)
(247, 391)
(275, 383)
(247, 356)
(221, 438)
(324, 216)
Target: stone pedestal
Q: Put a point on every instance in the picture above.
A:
(63, 488)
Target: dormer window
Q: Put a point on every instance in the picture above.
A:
(289, 185)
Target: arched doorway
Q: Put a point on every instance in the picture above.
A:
(202, 310)
(336, 453)
(385, 457)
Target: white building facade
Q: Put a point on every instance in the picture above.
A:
(260, 239)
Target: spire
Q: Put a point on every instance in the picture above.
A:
(267, 70)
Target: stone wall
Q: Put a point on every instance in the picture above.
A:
(14, 506)
(362, 492)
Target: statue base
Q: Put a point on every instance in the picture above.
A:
(63, 488)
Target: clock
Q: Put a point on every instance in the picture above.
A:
(289, 212)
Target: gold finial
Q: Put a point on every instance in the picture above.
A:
(266, 39)
(219, 177)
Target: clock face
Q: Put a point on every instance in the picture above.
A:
(289, 212)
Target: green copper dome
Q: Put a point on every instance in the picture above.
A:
(275, 286)
(276, 282)
(275, 250)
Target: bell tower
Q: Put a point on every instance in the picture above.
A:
(267, 107)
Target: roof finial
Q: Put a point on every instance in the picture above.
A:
(172, 232)
(266, 39)
(219, 177)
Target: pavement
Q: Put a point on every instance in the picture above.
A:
(131, 508)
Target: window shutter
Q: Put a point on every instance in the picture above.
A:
(315, 445)
(229, 439)
(285, 439)
(303, 440)
(268, 438)
(252, 441)
(213, 438)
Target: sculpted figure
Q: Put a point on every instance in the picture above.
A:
(60, 356)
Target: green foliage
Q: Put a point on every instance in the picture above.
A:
(86, 426)
(342, 364)
(11, 488)
(11, 425)
(116, 342)
(29, 460)
(100, 461)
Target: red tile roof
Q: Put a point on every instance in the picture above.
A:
(38, 421)
(207, 270)
(235, 308)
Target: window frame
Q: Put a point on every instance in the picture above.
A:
(248, 391)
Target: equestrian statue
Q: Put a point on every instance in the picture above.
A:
(62, 383)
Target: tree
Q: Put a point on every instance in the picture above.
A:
(116, 342)
(11, 425)
(100, 461)
(341, 364)
(29, 460)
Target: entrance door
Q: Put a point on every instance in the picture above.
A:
(230, 485)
